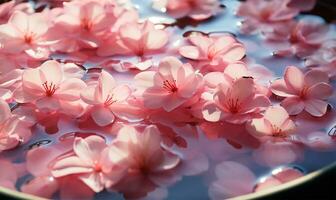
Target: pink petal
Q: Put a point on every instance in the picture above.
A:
(93, 180)
(211, 112)
(236, 52)
(156, 39)
(236, 70)
(144, 79)
(170, 161)
(48, 103)
(243, 88)
(88, 95)
(20, 21)
(276, 115)
(302, 5)
(293, 105)
(51, 72)
(121, 93)
(90, 148)
(227, 184)
(280, 88)
(320, 91)
(294, 78)
(190, 52)
(316, 107)
(106, 83)
(31, 80)
(43, 186)
(70, 89)
(213, 79)
(313, 77)
(172, 102)
(155, 97)
(259, 127)
(70, 165)
(37, 24)
(103, 116)
(189, 88)
(5, 111)
(169, 66)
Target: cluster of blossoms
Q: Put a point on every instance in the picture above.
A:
(137, 137)
(308, 37)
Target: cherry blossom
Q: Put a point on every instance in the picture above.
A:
(304, 36)
(275, 123)
(266, 15)
(139, 39)
(40, 162)
(9, 81)
(25, 33)
(303, 91)
(324, 59)
(172, 85)
(150, 165)
(235, 102)
(13, 131)
(195, 9)
(93, 163)
(106, 99)
(47, 86)
(238, 70)
(216, 51)
(83, 22)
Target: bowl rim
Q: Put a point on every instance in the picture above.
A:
(260, 194)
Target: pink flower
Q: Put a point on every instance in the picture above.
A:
(47, 87)
(275, 123)
(266, 15)
(149, 164)
(217, 52)
(25, 33)
(172, 85)
(83, 23)
(106, 98)
(139, 39)
(305, 36)
(238, 70)
(235, 102)
(324, 59)
(195, 9)
(92, 162)
(39, 163)
(12, 130)
(303, 91)
(9, 81)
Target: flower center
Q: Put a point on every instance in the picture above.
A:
(303, 92)
(233, 105)
(49, 88)
(109, 100)
(86, 24)
(170, 86)
(277, 132)
(28, 38)
(97, 167)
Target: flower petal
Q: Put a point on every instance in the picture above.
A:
(103, 116)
